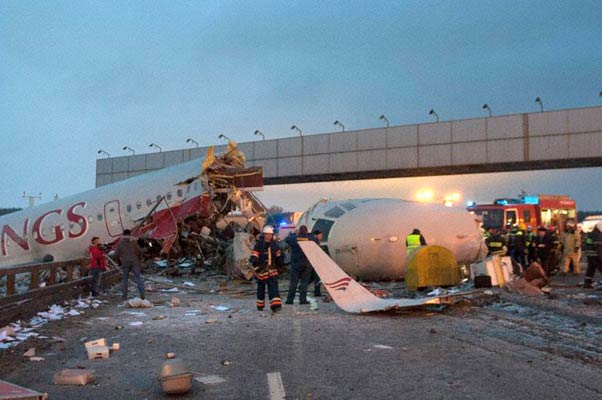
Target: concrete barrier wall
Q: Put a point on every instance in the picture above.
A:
(543, 136)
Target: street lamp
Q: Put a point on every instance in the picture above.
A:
(538, 100)
(155, 145)
(382, 117)
(486, 107)
(258, 132)
(190, 140)
(296, 128)
(224, 137)
(101, 151)
(432, 112)
(130, 149)
(337, 122)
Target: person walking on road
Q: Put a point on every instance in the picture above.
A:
(300, 267)
(130, 254)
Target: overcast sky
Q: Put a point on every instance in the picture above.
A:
(79, 76)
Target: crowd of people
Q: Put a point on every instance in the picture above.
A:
(558, 252)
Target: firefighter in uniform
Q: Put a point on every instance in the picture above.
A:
(414, 241)
(495, 243)
(593, 250)
(529, 242)
(266, 258)
(544, 247)
(517, 246)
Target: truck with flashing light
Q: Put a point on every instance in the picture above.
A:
(527, 210)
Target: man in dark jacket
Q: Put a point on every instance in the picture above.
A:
(98, 263)
(130, 254)
(266, 258)
(544, 247)
(300, 266)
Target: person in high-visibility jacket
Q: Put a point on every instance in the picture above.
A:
(414, 241)
(496, 243)
(266, 258)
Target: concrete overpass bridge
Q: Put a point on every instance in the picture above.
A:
(544, 140)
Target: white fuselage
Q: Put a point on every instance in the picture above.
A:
(367, 237)
(63, 228)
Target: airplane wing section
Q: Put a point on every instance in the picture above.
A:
(347, 293)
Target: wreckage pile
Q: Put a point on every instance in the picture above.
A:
(214, 231)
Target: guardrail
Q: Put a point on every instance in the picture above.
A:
(61, 281)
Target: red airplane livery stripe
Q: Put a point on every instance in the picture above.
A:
(342, 280)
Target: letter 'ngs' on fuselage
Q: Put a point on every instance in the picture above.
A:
(61, 230)
(366, 237)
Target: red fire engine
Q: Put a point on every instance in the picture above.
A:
(544, 209)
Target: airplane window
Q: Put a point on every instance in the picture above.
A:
(349, 206)
(188, 189)
(99, 216)
(112, 210)
(129, 208)
(71, 225)
(168, 196)
(196, 186)
(158, 198)
(149, 202)
(138, 205)
(180, 193)
(90, 219)
(324, 225)
(334, 212)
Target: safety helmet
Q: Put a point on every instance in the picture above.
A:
(268, 229)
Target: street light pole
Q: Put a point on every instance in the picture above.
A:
(258, 132)
(101, 151)
(538, 100)
(486, 107)
(383, 118)
(130, 149)
(221, 136)
(190, 140)
(337, 122)
(296, 128)
(155, 145)
(432, 112)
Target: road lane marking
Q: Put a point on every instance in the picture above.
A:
(276, 386)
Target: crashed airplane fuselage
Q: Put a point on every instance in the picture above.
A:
(366, 237)
(61, 230)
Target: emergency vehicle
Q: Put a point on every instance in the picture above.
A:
(543, 209)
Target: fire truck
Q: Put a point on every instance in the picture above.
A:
(543, 209)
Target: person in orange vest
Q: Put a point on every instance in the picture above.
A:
(414, 241)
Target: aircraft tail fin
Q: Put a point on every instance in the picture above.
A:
(346, 292)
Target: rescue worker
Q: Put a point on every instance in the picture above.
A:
(98, 263)
(529, 248)
(517, 247)
(544, 246)
(130, 254)
(495, 243)
(571, 242)
(300, 266)
(593, 248)
(414, 241)
(266, 258)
